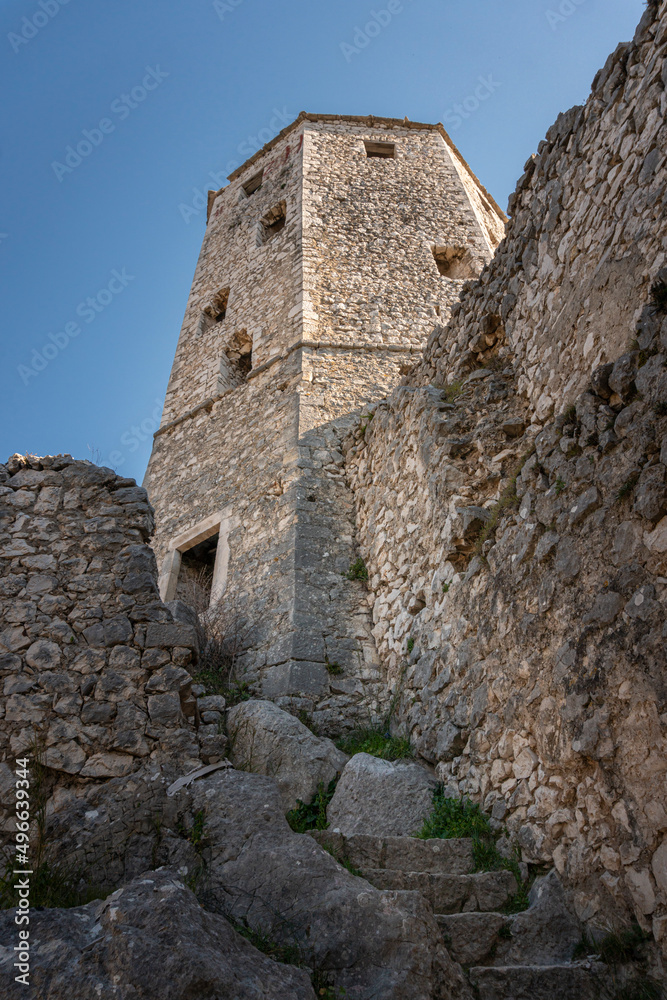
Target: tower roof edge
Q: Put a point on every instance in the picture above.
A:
(369, 120)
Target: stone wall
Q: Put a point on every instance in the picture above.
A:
(516, 561)
(264, 449)
(96, 673)
(585, 239)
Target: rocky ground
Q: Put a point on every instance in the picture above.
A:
(207, 891)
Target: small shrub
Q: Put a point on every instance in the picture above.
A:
(445, 588)
(411, 644)
(660, 408)
(560, 486)
(627, 487)
(570, 415)
(237, 693)
(312, 816)
(224, 636)
(451, 391)
(364, 427)
(333, 668)
(357, 570)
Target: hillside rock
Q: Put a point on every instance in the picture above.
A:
(266, 740)
(372, 943)
(547, 932)
(381, 798)
(150, 939)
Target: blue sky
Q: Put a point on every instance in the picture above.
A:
(162, 100)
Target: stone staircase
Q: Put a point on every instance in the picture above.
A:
(506, 957)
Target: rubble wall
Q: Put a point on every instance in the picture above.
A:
(585, 239)
(516, 559)
(96, 673)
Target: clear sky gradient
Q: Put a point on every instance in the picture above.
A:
(158, 101)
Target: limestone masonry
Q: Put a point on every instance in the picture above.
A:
(415, 454)
(318, 282)
(512, 508)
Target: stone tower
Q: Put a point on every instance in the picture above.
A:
(327, 261)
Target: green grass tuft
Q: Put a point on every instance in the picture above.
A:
(52, 885)
(455, 818)
(451, 391)
(312, 816)
(622, 946)
(357, 570)
(462, 818)
(377, 742)
(216, 681)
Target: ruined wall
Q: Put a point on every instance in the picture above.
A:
(96, 673)
(516, 561)
(585, 239)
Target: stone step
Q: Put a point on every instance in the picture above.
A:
(585, 981)
(476, 938)
(408, 854)
(484, 891)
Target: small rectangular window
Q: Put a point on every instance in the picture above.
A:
(254, 184)
(272, 223)
(195, 578)
(384, 150)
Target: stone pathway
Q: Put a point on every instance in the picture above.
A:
(468, 909)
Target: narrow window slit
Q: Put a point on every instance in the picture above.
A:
(254, 184)
(382, 150)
